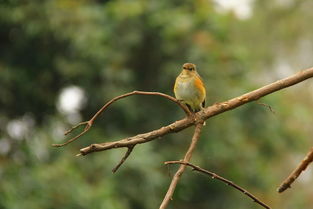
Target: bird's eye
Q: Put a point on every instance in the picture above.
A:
(191, 69)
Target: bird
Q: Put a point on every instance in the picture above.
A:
(189, 88)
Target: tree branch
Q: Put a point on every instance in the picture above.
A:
(206, 113)
(215, 176)
(196, 119)
(294, 175)
(182, 167)
(91, 121)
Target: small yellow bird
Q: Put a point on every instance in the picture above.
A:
(189, 88)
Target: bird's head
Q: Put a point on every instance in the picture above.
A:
(189, 69)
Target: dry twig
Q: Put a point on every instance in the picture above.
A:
(182, 167)
(215, 176)
(294, 175)
(266, 105)
(129, 150)
(91, 121)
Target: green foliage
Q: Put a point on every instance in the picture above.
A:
(112, 47)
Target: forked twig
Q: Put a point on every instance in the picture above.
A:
(90, 122)
(215, 176)
(294, 175)
(87, 127)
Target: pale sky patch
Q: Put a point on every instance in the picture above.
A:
(241, 8)
(71, 100)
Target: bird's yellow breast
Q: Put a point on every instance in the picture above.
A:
(189, 88)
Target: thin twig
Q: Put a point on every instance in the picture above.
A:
(87, 127)
(206, 113)
(266, 105)
(215, 176)
(91, 121)
(294, 175)
(182, 168)
(129, 150)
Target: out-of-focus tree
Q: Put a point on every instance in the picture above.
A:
(105, 48)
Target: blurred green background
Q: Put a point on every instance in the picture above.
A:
(61, 60)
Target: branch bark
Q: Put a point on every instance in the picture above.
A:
(215, 176)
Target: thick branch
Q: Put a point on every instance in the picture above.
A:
(215, 176)
(140, 138)
(182, 167)
(294, 175)
(205, 114)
